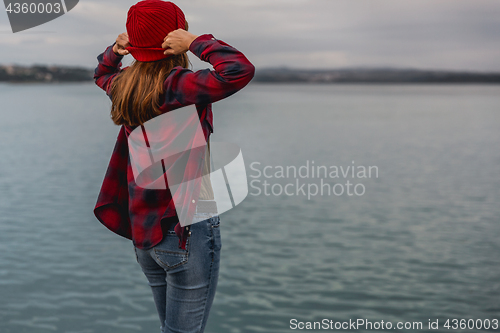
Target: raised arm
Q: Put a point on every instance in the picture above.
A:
(232, 71)
(109, 66)
(110, 62)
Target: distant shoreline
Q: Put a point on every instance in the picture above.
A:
(378, 76)
(44, 74)
(62, 74)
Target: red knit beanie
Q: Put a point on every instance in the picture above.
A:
(148, 23)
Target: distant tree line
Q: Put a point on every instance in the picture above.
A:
(41, 73)
(284, 75)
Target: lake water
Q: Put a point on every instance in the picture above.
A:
(421, 242)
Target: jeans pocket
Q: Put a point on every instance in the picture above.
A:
(168, 254)
(216, 222)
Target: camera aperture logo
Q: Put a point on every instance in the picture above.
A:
(26, 14)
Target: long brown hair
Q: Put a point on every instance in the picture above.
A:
(136, 91)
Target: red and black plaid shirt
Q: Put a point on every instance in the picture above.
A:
(134, 212)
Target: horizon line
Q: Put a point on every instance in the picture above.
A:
(289, 68)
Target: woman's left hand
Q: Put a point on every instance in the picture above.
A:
(121, 44)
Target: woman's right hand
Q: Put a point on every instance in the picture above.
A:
(121, 44)
(177, 42)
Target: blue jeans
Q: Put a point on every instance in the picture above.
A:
(184, 281)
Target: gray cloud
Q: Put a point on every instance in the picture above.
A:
(430, 34)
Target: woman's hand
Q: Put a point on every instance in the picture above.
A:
(121, 44)
(177, 42)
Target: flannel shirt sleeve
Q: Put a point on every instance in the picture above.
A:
(232, 71)
(108, 67)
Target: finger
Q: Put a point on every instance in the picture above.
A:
(169, 52)
(165, 45)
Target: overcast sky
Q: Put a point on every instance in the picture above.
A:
(425, 34)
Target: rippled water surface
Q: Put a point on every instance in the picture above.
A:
(421, 243)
